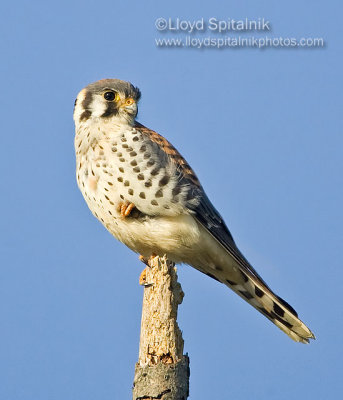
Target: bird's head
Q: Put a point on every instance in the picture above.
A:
(106, 99)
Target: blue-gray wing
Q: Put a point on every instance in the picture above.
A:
(196, 200)
(211, 220)
(197, 203)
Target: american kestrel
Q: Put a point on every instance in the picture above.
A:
(146, 194)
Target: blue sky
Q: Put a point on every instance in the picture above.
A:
(263, 131)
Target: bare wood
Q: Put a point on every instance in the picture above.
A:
(162, 371)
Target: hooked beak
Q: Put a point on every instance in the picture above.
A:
(129, 105)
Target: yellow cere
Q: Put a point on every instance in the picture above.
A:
(129, 101)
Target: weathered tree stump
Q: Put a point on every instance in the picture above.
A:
(162, 371)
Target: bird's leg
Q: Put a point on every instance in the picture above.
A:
(142, 277)
(146, 260)
(125, 209)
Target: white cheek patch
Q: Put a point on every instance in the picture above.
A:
(98, 106)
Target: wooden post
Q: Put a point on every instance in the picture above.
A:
(162, 371)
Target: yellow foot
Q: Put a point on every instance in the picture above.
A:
(125, 209)
(142, 277)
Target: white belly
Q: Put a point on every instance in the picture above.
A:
(178, 237)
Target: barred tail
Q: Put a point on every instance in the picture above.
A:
(259, 295)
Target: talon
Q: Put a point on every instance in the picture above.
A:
(125, 209)
(142, 277)
(144, 260)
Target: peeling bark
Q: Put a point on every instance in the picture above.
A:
(162, 371)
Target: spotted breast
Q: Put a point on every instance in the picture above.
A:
(138, 166)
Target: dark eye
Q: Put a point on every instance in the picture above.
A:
(109, 96)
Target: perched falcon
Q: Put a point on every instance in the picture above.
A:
(146, 194)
